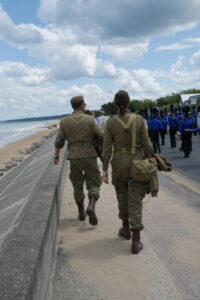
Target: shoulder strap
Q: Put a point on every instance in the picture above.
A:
(132, 119)
(133, 145)
(124, 125)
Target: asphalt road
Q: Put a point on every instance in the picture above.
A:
(189, 167)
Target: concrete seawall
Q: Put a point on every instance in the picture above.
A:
(28, 241)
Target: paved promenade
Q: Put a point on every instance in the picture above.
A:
(94, 263)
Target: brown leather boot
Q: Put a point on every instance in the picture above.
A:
(137, 245)
(125, 231)
(90, 211)
(81, 211)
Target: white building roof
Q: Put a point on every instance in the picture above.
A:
(185, 97)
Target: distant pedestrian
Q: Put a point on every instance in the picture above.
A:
(173, 122)
(101, 120)
(163, 127)
(88, 112)
(185, 128)
(154, 128)
(198, 119)
(194, 117)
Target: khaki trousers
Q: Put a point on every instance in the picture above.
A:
(85, 170)
(129, 193)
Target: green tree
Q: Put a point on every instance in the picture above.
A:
(167, 100)
(162, 102)
(135, 105)
(190, 91)
(109, 108)
(148, 103)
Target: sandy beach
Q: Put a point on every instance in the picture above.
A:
(16, 149)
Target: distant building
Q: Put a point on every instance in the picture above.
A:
(188, 99)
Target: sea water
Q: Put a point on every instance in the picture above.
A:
(14, 131)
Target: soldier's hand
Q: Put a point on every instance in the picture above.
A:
(56, 160)
(105, 177)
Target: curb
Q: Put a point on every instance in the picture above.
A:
(186, 182)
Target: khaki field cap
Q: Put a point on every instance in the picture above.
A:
(77, 99)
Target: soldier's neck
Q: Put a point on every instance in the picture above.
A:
(78, 110)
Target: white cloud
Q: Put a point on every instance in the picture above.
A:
(25, 93)
(47, 9)
(67, 58)
(74, 61)
(175, 46)
(20, 35)
(54, 41)
(40, 42)
(126, 54)
(94, 95)
(95, 41)
(184, 44)
(139, 83)
(29, 93)
(122, 19)
(22, 89)
(12, 73)
(147, 81)
(179, 79)
(126, 81)
(179, 63)
(192, 40)
(195, 60)
(178, 74)
(106, 69)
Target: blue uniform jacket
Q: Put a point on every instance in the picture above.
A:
(186, 124)
(173, 122)
(153, 124)
(163, 124)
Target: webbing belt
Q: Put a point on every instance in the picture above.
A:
(81, 144)
(122, 150)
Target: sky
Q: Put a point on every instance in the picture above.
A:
(52, 50)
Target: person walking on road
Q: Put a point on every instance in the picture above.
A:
(185, 128)
(173, 122)
(101, 120)
(79, 130)
(154, 128)
(198, 119)
(130, 193)
(163, 127)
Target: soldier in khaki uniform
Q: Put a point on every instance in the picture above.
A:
(79, 130)
(129, 192)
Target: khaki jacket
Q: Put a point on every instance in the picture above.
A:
(115, 138)
(79, 130)
(163, 164)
